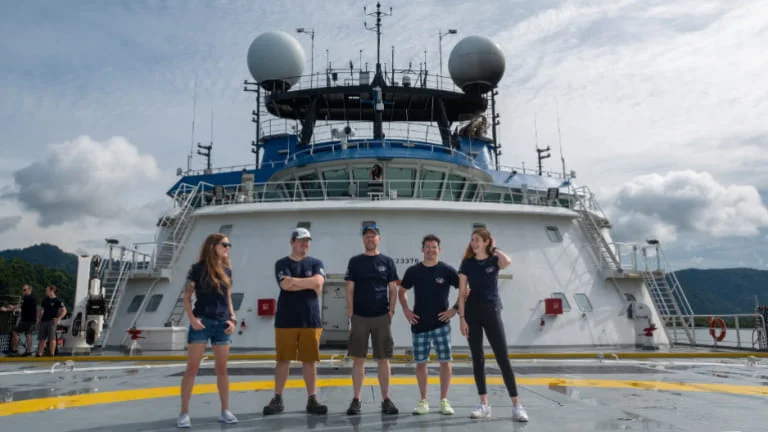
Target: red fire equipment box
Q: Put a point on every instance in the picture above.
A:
(553, 306)
(266, 307)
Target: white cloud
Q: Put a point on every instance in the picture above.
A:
(688, 201)
(83, 178)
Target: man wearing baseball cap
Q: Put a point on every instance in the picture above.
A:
(371, 295)
(297, 320)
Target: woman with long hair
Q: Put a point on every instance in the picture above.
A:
(480, 311)
(212, 319)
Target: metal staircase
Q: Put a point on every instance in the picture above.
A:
(607, 260)
(168, 253)
(665, 290)
(590, 225)
(668, 296)
(113, 280)
(177, 230)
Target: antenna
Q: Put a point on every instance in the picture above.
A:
(206, 154)
(378, 79)
(377, 28)
(192, 142)
(559, 137)
(541, 155)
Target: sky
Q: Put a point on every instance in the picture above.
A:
(661, 106)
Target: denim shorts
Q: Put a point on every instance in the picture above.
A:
(440, 338)
(213, 331)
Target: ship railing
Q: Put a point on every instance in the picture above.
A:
(315, 189)
(742, 331)
(351, 77)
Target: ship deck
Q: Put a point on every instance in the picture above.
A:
(692, 390)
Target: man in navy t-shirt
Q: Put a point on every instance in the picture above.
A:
(52, 310)
(371, 294)
(28, 307)
(431, 281)
(297, 320)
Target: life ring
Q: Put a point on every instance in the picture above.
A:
(713, 324)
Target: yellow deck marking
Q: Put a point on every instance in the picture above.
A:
(60, 402)
(399, 357)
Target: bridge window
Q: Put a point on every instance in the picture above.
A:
(310, 185)
(361, 175)
(135, 304)
(561, 296)
(402, 180)
(492, 197)
(154, 303)
(469, 195)
(337, 182)
(454, 187)
(431, 184)
(582, 301)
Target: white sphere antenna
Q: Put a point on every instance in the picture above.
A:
(476, 64)
(276, 60)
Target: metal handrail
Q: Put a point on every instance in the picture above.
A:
(690, 318)
(352, 77)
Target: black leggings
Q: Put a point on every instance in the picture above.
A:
(486, 316)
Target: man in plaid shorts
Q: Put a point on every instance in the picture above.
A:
(431, 281)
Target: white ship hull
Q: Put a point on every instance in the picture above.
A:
(540, 267)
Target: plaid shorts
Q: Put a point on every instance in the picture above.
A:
(440, 338)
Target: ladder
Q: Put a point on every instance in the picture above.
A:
(178, 229)
(178, 238)
(590, 226)
(667, 293)
(114, 279)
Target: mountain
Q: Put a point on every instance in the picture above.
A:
(39, 265)
(46, 255)
(724, 291)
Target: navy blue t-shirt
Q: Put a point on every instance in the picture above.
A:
(431, 287)
(29, 309)
(371, 275)
(298, 309)
(483, 278)
(51, 308)
(209, 304)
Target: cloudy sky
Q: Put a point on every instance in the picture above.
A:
(662, 106)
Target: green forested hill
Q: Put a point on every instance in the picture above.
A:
(39, 266)
(724, 291)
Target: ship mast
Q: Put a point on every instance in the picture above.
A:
(378, 80)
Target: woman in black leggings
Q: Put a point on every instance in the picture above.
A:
(480, 310)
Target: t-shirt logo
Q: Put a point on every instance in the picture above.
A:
(439, 280)
(490, 269)
(308, 273)
(381, 268)
(280, 274)
(322, 271)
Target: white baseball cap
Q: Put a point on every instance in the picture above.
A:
(301, 233)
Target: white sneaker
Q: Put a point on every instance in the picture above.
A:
(183, 421)
(481, 411)
(519, 414)
(227, 417)
(422, 407)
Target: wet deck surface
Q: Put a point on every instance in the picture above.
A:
(559, 395)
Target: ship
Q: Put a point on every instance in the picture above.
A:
(414, 153)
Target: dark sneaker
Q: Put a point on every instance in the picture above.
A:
(275, 406)
(315, 407)
(354, 407)
(387, 407)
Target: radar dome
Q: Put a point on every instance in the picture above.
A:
(276, 60)
(476, 64)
